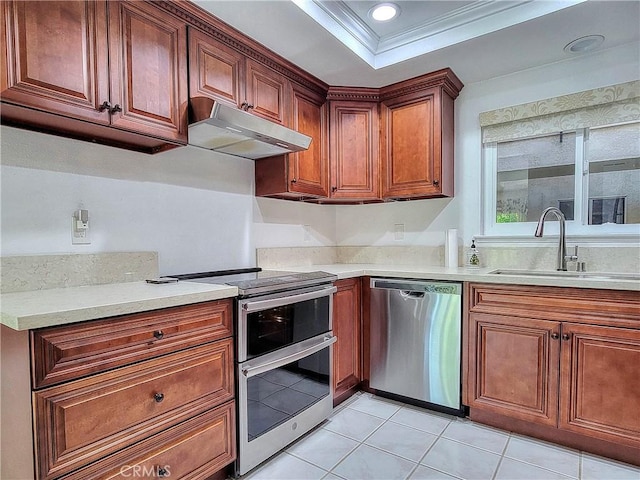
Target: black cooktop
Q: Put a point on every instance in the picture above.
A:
(254, 281)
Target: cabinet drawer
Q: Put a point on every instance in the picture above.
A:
(81, 421)
(601, 307)
(195, 449)
(69, 352)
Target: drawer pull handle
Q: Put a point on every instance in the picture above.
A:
(163, 472)
(555, 336)
(158, 397)
(158, 334)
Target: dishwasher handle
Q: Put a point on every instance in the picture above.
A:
(413, 287)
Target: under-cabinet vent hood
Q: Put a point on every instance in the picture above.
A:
(225, 129)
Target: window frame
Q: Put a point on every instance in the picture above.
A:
(577, 227)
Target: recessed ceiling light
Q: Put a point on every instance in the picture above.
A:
(384, 12)
(584, 44)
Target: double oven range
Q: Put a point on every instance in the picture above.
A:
(283, 356)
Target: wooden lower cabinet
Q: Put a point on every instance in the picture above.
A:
(168, 405)
(347, 356)
(557, 363)
(515, 366)
(600, 389)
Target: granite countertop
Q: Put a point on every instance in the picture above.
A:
(58, 306)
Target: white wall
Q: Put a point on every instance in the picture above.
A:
(425, 221)
(192, 229)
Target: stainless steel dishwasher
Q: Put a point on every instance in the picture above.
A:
(415, 341)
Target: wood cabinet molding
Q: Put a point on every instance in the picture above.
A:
(353, 94)
(445, 79)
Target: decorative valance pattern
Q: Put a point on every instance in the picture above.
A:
(591, 108)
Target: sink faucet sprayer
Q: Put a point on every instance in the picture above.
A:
(561, 263)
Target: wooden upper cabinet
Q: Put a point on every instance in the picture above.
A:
(301, 174)
(147, 54)
(215, 70)
(417, 136)
(353, 156)
(113, 72)
(222, 73)
(267, 93)
(309, 170)
(56, 57)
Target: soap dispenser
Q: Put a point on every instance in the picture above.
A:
(473, 256)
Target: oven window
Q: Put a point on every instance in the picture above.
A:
(274, 328)
(278, 395)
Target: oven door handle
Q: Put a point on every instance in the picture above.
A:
(254, 306)
(251, 370)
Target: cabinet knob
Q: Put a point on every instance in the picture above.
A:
(158, 397)
(334, 189)
(162, 472)
(294, 181)
(436, 183)
(105, 106)
(566, 337)
(158, 334)
(555, 336)
(116, 108)
(246, 106)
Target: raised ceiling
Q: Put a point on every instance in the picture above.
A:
(338, 42)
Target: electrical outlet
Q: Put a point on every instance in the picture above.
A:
(399, 231)
(79, 230)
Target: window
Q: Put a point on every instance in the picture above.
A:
(578, 152)
(591, 174)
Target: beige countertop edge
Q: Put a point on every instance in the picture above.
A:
(59, 306)
(461, 274)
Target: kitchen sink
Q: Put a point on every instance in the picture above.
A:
(561, 274)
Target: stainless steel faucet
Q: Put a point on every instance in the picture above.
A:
(561, 263)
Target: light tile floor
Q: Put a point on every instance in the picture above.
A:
(373, 438)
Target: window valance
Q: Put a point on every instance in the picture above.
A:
(591, 108)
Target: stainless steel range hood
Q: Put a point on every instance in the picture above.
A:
(226, 129)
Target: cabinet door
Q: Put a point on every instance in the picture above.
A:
(56, 57)
(600, 390)
(354, 150)
(267, 93)
(514, 367)
(147, 55)
(347, 357)
(413, 152)
(215, 70)
(309, 170)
